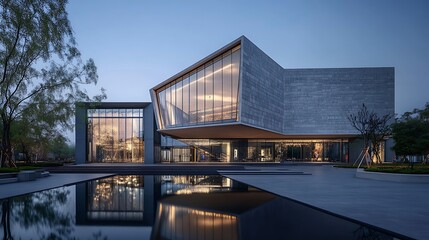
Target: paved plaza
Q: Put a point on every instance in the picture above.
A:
(399, 207)
(52, 181)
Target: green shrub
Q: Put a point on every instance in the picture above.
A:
(400, 168)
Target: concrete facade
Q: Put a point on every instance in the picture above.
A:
(262, 88)
(309, 101)
(318, 101)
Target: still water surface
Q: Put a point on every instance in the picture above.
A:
(169, 207)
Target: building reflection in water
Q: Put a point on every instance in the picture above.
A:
(188, 184)
(114, 200)
(250, 215)
(176, 222)
(206, 207)
(119, 198)
(131, 199)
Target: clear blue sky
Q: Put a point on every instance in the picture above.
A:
(138, 44)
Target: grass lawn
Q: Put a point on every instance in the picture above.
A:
(418, 168)
(346, 166)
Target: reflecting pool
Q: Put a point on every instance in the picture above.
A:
(169, 207)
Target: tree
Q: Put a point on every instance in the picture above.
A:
(61, 149)
(35, 134)
(361, 122)
(373, 129)
(41, 69)
(379, 131)
(42, 212)
(411, 133)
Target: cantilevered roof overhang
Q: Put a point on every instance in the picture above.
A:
(240, 131)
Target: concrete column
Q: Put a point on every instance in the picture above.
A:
(81, 133)
(152, 138)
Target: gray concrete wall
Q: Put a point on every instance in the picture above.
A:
(261, 101)
(309, 101)
(80, 134)
(318, 101)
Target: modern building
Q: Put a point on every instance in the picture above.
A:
(238, 105)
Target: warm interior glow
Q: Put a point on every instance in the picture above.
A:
(183, 102)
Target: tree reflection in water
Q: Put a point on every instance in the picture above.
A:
(43, 211)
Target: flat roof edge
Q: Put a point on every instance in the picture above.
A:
(105, 105)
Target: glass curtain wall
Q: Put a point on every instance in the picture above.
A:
(260, 150)
(115, 135)
(295, 150)
(204, 95)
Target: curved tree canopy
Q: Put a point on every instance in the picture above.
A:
(411, 133)
(41, 69)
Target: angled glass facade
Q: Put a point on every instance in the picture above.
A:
(115, 135)
(204, 95)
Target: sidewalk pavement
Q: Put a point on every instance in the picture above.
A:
(52, 181)
(399, 207)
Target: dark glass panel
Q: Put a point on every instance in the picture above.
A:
(193, 98)
(90, 112)
(122, 138)
(115, 134)
(108, 112)
(235, 82)
(129, 113)
(122, 113)
(200, 97)
(227, 91)
(101, 112)
(136, 112)
(115, 112)
(173, 105)
(179, 103)
(185, 103)
(217, 105)
(129, 139)
(162, 108)
(209, 93)
(167, 107)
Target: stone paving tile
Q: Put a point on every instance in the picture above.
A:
(398, 207)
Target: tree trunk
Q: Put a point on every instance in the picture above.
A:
(377, 151)
(5, 220)
(26, 154)
(6, 153)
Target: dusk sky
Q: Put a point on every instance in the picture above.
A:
(138, 44)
